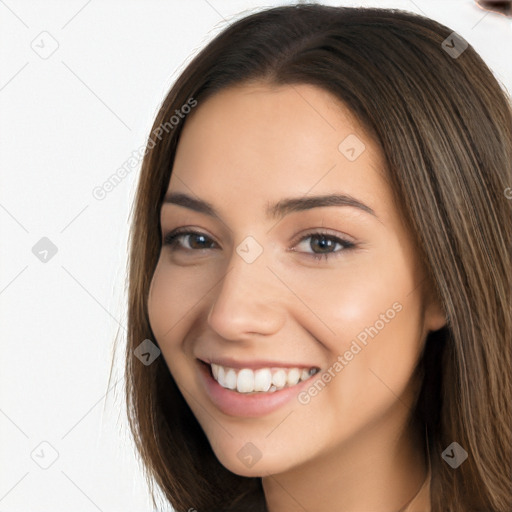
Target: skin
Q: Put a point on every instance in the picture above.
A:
(349, 446)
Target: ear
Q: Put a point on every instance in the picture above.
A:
(435, 316)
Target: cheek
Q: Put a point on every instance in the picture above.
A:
(340, 302)
(173, 299)
(175, 293)
(374, 372)
(369, 319)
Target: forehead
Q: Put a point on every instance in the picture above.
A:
(276, 140)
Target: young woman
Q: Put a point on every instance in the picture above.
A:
(321, 251)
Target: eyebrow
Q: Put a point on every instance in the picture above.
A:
(273, 211)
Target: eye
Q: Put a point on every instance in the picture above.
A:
(174, 239)
(325, 243)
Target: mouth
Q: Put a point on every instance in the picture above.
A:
(261, 380)
(238, 391)
(253, 389)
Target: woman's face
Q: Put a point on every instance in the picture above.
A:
(280, 277)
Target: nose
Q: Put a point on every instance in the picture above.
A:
(247, 301)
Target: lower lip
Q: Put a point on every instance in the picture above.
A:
(245, 405)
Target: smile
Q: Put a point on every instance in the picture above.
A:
(232, 387)
(262, 380)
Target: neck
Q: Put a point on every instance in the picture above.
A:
(379, 469)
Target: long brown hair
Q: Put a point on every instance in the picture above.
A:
(444, 125)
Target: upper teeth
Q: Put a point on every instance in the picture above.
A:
(246, 380)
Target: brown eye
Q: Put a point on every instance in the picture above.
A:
(196, 241)
(323, 245)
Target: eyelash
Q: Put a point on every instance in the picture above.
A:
(171, 240)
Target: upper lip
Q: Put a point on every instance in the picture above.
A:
(253, 363)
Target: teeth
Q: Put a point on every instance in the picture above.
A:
(230, 379)
(245, 381)
(279, 379)
(221, 376)
(293, 377)
(262, 380)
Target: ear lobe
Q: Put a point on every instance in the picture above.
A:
(435, 317)
(436, 322)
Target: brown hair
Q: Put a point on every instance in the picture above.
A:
(444, 125)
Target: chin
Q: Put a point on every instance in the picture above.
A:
(246, 459)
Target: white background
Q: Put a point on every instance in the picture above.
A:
(67, 123)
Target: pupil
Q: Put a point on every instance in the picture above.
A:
(324, 244)
(195, 238)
